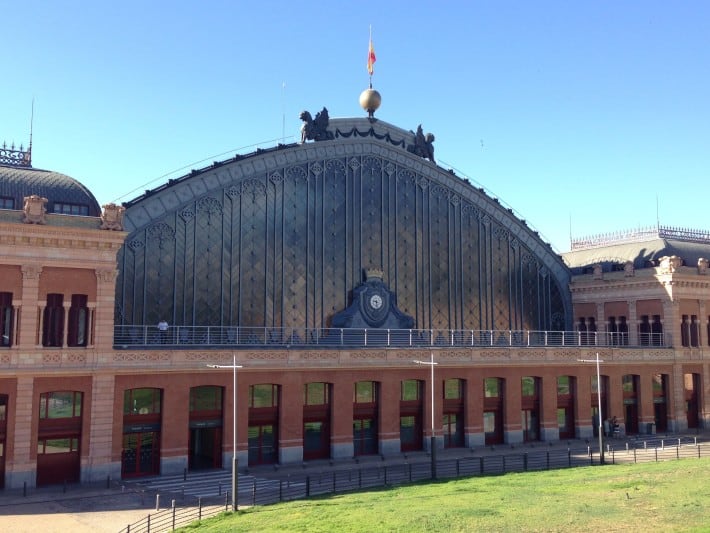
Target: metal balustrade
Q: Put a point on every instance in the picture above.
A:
(250, 337)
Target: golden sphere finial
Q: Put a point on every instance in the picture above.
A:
(370, 101)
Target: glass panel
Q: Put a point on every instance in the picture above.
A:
(316, 394)
(263, 395)
(658, 384)
(146, 452)
(410, 389)
(206, 398)
(141, 401)
(364, 392)
(407, 425)
(563, 385)
(268, 442)
(562, 418)
(628, 383)
(528, 386)
(489, 422)
(60, 404)
(312, 434)
(52, 446)
(492, 387)
(452, 389)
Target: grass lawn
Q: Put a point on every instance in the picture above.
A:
(666, 496)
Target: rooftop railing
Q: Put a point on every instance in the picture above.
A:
(187, 337)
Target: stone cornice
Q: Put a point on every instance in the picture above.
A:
(13, 362)
(15, 239)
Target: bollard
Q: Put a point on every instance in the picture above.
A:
(199, 508)
(184, 474)
(220, 489)
(24, 488)
(108, 481)
(173, 506)
(157, 502)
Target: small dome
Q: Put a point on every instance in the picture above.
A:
(64, 194)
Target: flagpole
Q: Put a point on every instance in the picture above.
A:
(370, 52)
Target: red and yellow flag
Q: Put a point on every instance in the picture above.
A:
(371, 59)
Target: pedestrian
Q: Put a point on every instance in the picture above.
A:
(163, 329)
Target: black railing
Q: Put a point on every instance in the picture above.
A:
(190, 336)
(259, 491)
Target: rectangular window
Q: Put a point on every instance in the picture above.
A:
(264, 395)
(562, 419)
(453, 389)
(411, 390)
(529, 386)
(78, 320)
(207, 398)
(7, 203)
(5, 319)
(563, 387)
(365, 392)
(141, 401)
(60, 404)
(315, 394)
(71, 209)
(53, 321)
(52, 446)
(489, 422)
(492, 387)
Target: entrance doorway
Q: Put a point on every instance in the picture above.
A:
(205, 448)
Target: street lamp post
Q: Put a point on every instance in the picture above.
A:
(599, 398)
(433, 437)
(235, 460)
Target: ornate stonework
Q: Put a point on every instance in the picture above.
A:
(629, 269)
(668, 265)
(319, 356)
(31, 271)
(35, 210)
(112, 217)
(130, 357)
(106, 275)
(703, 266)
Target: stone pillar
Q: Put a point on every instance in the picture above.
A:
(21, 468)
(98, 465)
(27, 337)
(671, 321)
(633, 324)
(602, 337)
(645, 402)
(291, 422)
(512, 427)
(679, 418)
(388, 399)
(90, 326)
(475, 436)
(16, 310)
(583, 403)
(342, 435)
(105, 302)
(549, 426)
(65, 328)
(702, 324)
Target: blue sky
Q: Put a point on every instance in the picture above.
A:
(584, 117)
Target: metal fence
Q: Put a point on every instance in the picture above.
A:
(189, 336)
(298, 486)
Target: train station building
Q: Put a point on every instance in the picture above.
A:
(371, 299)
